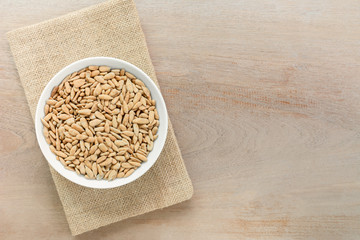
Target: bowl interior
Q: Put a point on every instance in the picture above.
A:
(113, 63)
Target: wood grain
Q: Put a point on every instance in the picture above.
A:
(264, 99)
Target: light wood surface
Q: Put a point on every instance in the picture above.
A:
(264, 97)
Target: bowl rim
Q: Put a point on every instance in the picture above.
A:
(71, 175)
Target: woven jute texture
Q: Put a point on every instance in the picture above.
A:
(108, 29)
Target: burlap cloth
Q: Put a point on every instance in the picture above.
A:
(107, 29)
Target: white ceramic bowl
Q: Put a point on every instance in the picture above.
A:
(113, 63)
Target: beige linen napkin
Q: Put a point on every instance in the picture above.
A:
(107, 29)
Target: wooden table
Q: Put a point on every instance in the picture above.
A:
(264, 97)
